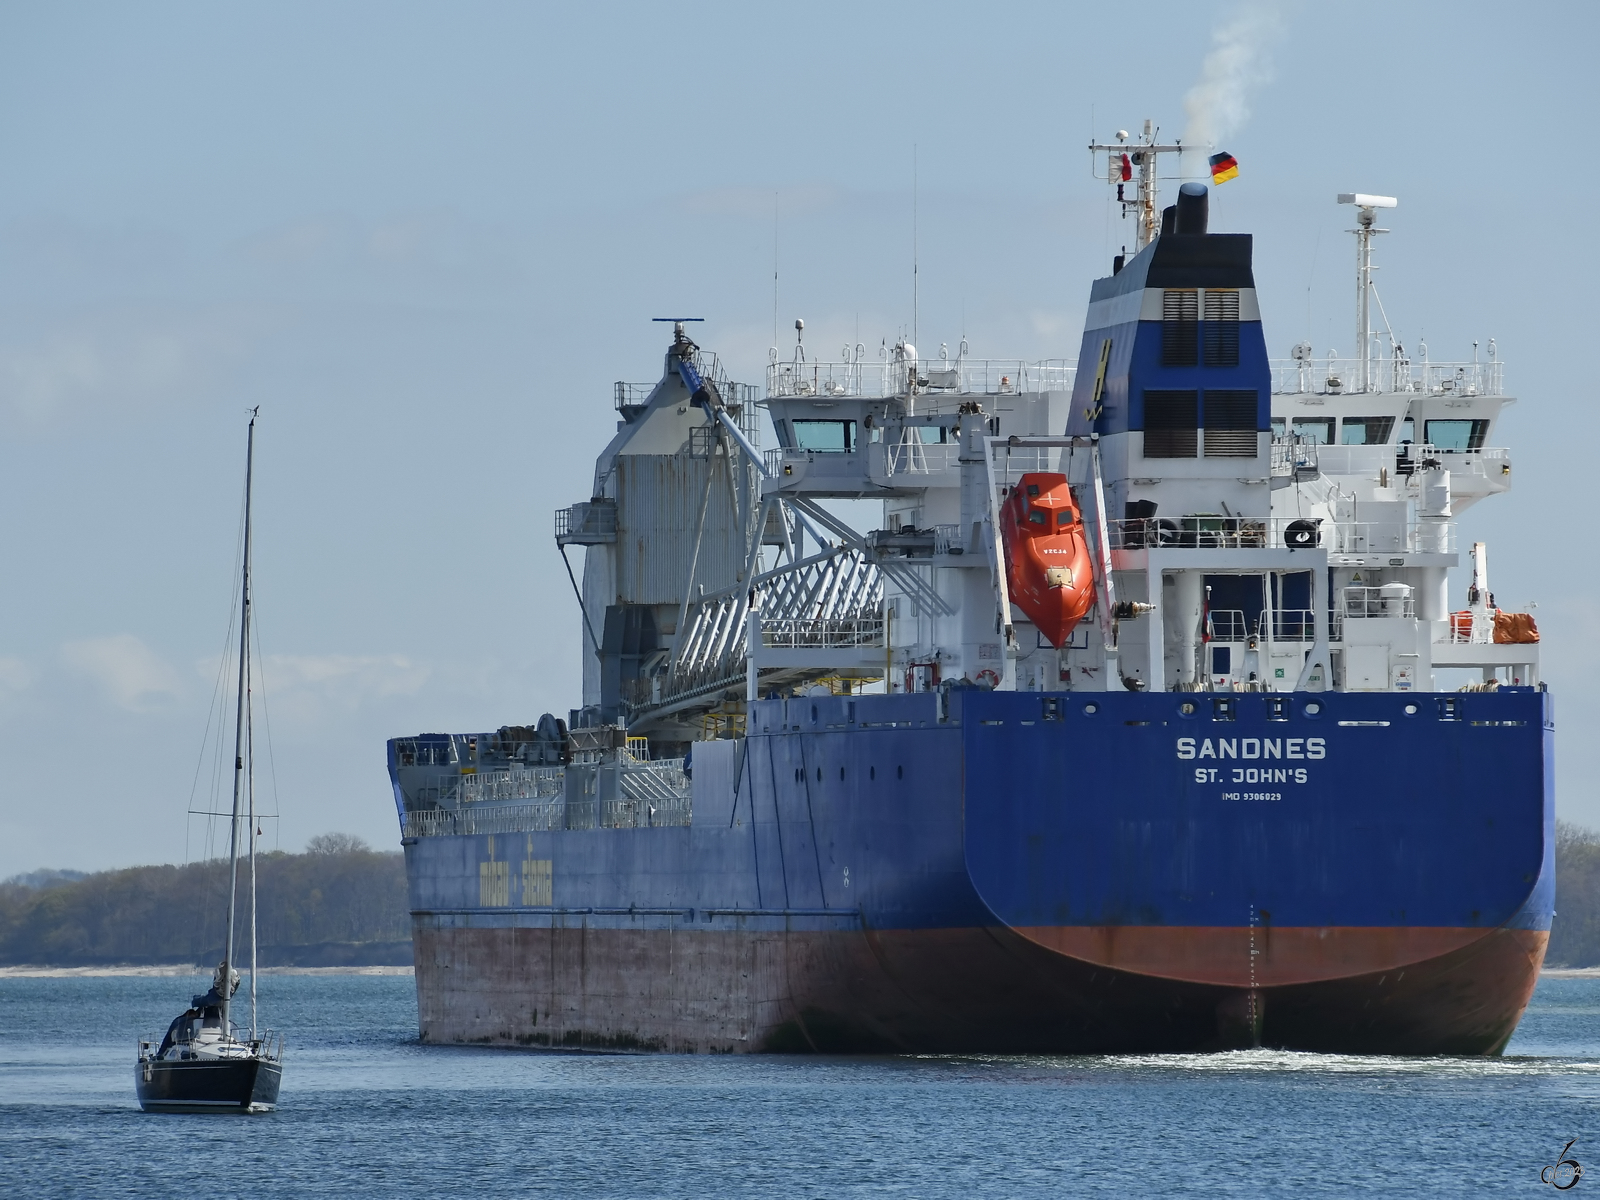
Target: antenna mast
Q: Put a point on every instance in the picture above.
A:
(1136, 162)
(1366, 213)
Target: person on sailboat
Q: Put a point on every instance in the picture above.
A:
(205, 1010)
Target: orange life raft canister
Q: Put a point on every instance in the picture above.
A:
(1048, 567)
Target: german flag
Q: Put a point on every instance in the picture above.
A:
(1223, 168)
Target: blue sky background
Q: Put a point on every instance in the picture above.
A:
(427, 238)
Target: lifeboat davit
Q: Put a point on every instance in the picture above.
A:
(1048, 566)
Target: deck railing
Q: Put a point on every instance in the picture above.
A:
(821, 633)
(498, 787)
(1208, 532)
(977, 376)
(1288, 625)
(622, 813)
(1336, 376)
(920, 458)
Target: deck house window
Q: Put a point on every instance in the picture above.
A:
(1365, 431)
(1455, 436)
(827, 437)
(1230, 423)
(1180, 327)
(1171, 424)
(1222, 327)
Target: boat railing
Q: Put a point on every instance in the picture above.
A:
(1386, 600)
(417, 752)
(1295, 457)
(632, 395)
(946, 536)
(266, 1044)
(587, 523)
(1227, 625)
(506, 818)
(920, 458)
(646, 812)
(1336, 376)
(1462, 630)
(803, 633)
(888, 377)
(1301, 457)
(622, 813)
(1206, 531)
(529, 783)
(1288, 624)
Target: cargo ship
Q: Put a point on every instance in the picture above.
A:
(1144, 722)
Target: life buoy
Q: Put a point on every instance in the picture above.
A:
(987, 678)
(1303, 534)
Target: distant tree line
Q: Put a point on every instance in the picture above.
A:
(338, 903)
(1575, 933)
(342, 903)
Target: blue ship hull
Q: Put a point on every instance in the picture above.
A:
(1013, 872)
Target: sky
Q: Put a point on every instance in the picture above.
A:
(425, 240)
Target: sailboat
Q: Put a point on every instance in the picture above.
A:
(207, 1063)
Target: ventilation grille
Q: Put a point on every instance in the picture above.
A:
(1171, 424)
(1230, 424)
(1222, 328)
(1180, 331)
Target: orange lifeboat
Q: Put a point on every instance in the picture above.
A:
(1048, 566)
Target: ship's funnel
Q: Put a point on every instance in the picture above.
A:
(1192, 206)
(1169, 220)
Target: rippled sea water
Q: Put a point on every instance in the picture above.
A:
(367, 1111)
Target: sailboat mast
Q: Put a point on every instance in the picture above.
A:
(250, 789)
(225, 988)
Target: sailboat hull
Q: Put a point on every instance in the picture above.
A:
(208, 1085)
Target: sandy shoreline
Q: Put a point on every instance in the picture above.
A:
(170, 971)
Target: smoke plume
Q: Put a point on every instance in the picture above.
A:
(1218, 104)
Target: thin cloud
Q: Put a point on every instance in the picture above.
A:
(124, 360)
(127, 672)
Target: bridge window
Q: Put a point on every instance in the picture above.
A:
(1230, 423)
(1064, 517)
(1365, 431)
(1180, 327)
(1171, 424)
(827, 437)
(1317, 429)
(1455, 436)
(1039, 516)
(1222, 328)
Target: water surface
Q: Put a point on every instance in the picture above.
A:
(367, 1111)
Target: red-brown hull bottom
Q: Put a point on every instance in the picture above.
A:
(678, 988)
